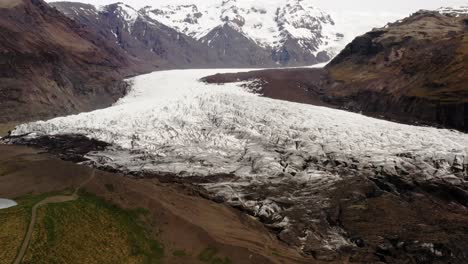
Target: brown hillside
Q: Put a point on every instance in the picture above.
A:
(49, 65)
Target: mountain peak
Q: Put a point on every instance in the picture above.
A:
(286, 32)
(127, 12)
(268, 26)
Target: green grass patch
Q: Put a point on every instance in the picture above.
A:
(13, 226)
(179, 253)
(49, 225)
(14, 222)
(209, 255)
(109, 187)
(90, 230)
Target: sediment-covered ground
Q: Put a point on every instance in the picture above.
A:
(189, 229)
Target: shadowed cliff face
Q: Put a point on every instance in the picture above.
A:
(415, 69)
(50, 66)
(149, 44)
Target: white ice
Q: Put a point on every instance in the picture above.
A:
(185, 126)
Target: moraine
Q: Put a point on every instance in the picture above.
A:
(275, 159)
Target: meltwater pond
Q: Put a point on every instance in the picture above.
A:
(5, 203)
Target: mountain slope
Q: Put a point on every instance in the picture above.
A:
(416, 68)
(414, 71)
(223, 33)
(148, 42)
(50, 65)
(227, 42)
(294, 32)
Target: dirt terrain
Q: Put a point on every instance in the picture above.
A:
(299, 85)
(182, 219)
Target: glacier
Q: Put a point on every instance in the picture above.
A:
(254, 152)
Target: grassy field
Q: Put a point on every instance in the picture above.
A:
(89, 230)
(210, 255)
(13, 225)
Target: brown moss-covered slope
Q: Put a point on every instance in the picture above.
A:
(416, 69)
(50, 65)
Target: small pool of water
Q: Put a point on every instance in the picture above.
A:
(5, 203)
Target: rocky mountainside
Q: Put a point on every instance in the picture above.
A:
(50, 65)
(228, 33)
(414, 70)
(147, 41)
(294, 32)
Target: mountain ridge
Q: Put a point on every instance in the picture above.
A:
(291, 33)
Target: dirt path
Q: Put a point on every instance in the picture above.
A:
(48, 200)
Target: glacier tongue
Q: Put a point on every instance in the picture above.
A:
(254, 152)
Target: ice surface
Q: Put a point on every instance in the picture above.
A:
(218, 127)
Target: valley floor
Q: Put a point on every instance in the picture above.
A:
(335, 186)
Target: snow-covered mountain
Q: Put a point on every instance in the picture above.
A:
(236, 32)
(272, 26)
